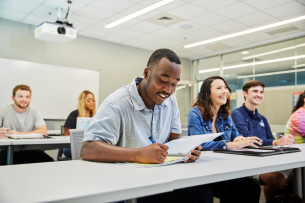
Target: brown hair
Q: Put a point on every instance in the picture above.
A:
(299, 103)
(252, 83)
(204, 102)
(21, 87)
(81, 104)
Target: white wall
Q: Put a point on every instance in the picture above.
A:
(118, 64)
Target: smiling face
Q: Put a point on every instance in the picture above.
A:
(254, 96)
(161, 81)
(22, 98)
(90, 102)
(219, 92)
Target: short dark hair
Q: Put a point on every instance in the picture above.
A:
(252, 83)
(21, 87)
(204, 101)
(160, 54)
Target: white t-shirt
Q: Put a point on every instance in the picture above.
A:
(30, 120)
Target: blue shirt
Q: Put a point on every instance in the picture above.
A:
(197, 125)
(249, 124)
(124, 120)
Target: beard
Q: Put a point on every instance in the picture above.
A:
(20, 106)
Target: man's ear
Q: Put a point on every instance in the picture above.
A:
(145, 73)
(13, 98)
(245, 94)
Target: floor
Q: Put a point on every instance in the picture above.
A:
(261, 200)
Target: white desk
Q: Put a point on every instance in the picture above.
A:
(82, 181)
(4, 141)
(54, 132)
(44, 144)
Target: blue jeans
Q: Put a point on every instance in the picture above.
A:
(67, 152)
(196, 194)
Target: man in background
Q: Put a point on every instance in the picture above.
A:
(20, 118)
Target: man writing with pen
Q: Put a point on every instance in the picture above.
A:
(133, 117)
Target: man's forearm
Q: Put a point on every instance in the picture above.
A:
(104, 152)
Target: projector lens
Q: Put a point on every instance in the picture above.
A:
(61, 30)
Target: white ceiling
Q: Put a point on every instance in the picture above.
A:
(209, 18)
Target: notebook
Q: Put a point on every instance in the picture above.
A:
(179, 149)
(83, 122)
(27, 136)
(261, 151)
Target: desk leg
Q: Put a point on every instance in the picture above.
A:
(10, 155)
(303, 182)
(297, 182)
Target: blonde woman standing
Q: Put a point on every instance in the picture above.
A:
(85, 108)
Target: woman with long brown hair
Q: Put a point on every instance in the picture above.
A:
(211, 114)
(85, 108)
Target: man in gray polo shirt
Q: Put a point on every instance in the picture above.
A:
(120, 130)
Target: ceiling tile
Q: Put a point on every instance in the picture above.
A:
(33, 20)
(144, 26)
(213, 5)
(263, 4)
(126, 32)
(75, 6)
(114, 38)
(94, 13)
(130, 22)
(300, 25)
(302, 1)
(136, 1)
(35, 1)
(236, 42)
(46, 12)
(149, 38)
(167, 42)
(22, 6)
(82, 21)
(148, 2)
(11, 15)
(286, 9)
(166, 32)
(149, 15)
(92, 33)
(114, 18)
(186, 22)
(134, 43)
(101, 27)
(236, 10)
(132, 9)
(209, 19)
(229, 26)
(186, 38)
(113, 5)
(152, 47)
(255, 19)
(171, 5)
(187, 11)
(85, 1)
(257, 37)
(207, 33)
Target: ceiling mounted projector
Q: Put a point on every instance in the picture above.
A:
(61, 31)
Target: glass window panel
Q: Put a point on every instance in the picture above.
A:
(300, 50)
(206, 64)
(301, 78)
(237, 58)
(232, 76)
(274, 67)
(277, 79)
(184, 100)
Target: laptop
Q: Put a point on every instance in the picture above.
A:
(83, 122)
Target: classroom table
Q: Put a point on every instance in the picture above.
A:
(54, 142)
(83, 181)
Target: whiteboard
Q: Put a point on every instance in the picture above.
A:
(55, 89)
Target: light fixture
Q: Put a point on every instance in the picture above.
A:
(263, 62)
(181, 87)
(272, 73)
(209, 70)
(246, 32)
(190, 85)
(297, 66)
(245, 52)
(273, 52)
(138, 13)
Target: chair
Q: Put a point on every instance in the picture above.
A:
(60, 150)
(76, 138)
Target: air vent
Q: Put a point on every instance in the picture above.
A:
(165, 19)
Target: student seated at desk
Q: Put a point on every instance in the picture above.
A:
(85, 108)
(249, 122)
(296, 124)
(20, 118)
(211, 114)
(120, 130)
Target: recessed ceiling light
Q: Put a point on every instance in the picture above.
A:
(246, 32)
(186, 27)
(138, 13)
(245, 52)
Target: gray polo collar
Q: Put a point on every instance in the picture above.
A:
(138, 103)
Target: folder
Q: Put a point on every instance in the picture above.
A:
(27, 136)
(261, 151)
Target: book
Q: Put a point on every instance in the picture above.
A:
(179, 149)
(261, 151)
(27, 136)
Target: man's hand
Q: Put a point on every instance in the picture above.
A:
(3, 131)
(285, 140)
(153, 154)
(238, 138)
(248, 141)
(13, 132)
(195, 154)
